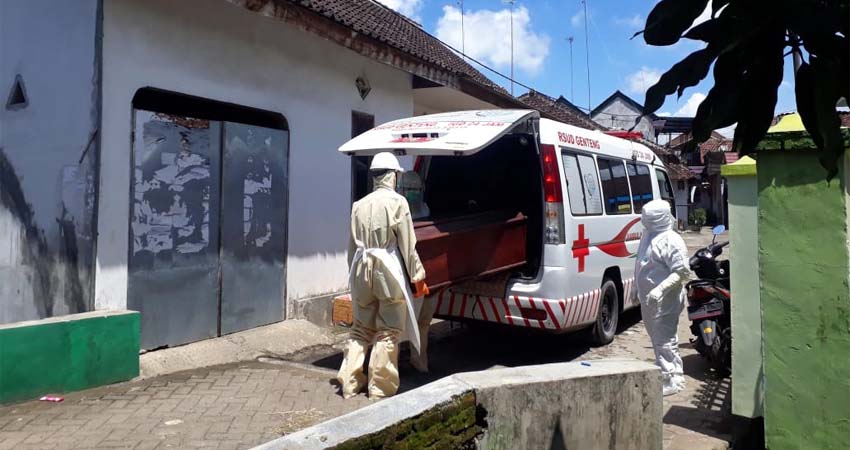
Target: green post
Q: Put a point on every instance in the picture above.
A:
(805, 296)
(747, 388)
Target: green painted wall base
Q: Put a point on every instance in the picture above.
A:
(747, 387)
(804, 266)
(67, 353)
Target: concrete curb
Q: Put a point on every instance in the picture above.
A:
(598, 405)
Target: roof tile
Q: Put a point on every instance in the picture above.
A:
(379, 22)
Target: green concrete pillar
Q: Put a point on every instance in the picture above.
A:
(747, 386)
(805, 297)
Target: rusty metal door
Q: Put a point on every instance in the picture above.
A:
(173, 265)
(253, 226)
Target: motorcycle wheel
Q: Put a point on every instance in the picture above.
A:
(720, 353)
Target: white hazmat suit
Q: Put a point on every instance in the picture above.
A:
(661, 270)
(383, 257)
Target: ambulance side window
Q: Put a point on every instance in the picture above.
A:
(641, 184)
(615, 188)
(582, 185)
(665, 189)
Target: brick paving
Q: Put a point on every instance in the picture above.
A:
(239, 406)
(227, 407)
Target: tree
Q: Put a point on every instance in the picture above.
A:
(746, 42)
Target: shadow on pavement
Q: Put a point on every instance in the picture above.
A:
(466, 347)
(716, 425)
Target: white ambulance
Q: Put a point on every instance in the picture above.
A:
(580, 192)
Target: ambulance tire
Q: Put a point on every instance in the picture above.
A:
(602, 332)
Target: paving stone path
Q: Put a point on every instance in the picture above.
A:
(239, 406)
(227, 407)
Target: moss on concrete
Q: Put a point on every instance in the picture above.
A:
(449, 426)
(804, 266)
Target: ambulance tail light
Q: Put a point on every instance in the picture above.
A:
(554, 205)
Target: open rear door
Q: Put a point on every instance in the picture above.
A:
(456, 133)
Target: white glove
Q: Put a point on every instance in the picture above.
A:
(655, 295)
(667, 285)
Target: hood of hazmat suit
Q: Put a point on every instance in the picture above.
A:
(661, 269)
(383, 260)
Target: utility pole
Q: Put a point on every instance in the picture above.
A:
(587, 54)
(462, 36)
(511, 2)
(572, 88)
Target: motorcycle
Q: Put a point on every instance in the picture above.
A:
(709, 305)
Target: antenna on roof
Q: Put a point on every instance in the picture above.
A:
(462, 37)
(572, 88)
(587, 54)
(511, 2)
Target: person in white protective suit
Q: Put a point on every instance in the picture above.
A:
(382, 246)
(661, 270)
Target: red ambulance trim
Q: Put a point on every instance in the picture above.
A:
(560, 314)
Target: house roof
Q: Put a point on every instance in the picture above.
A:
(560, 110)
(625, 98)
(378, 21)
(686, 137)
(669, 124)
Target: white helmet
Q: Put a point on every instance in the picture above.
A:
(385, 161)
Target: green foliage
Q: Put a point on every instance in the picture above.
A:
(746, 41)
(697, 217)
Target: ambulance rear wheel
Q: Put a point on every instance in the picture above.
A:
(602, 332)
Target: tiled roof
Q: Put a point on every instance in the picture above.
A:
(625, 98)
(377, 21)
(686, 137)
(561, 111)
(731, 157)
(558, 110)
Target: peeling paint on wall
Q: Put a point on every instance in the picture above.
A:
(171, 204)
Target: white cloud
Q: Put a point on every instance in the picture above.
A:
(664, 114)
(640, 81)
(488, 37)
(690, 107)
(409, 8)
(635, 21)
(577, 20)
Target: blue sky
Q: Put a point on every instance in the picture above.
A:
(542, 52)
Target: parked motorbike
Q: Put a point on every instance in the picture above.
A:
(708, 304)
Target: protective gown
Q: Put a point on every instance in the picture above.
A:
(382, 246)
(661, 270)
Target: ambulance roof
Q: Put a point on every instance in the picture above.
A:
(467, 132)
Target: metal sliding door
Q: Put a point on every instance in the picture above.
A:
(253, 226)
(173, 265)
(208, 227)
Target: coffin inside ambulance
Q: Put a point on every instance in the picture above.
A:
(476, 191)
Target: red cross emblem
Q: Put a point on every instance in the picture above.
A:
(581, 248)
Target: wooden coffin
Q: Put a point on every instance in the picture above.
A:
(457, 249)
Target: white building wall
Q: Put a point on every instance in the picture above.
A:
(211, 49)
(52, 46)
(620, 115)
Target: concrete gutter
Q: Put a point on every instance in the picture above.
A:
(602, 404)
